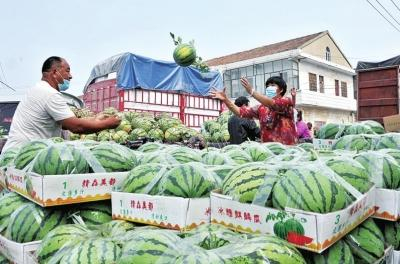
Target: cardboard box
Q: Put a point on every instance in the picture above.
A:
(324, 144)
(17, 252)
(395, 257)
(164, 211)
(50, 190)
(320, 230)
(387, 204)
(392, 123)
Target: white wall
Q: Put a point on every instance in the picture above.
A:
(328, 99)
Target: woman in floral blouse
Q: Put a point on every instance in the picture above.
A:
(275, 112)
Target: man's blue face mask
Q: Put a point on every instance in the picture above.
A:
(63, 86)
(270, 91)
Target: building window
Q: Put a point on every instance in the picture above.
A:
(328, 54)
(259, 69)
(227, 75)
(268, 67)
(343, 86)
(337, 87)
(321, 84)
(312, 79)
(260, 84)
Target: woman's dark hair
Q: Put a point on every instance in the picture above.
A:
(299, 115)
(242, 100)
(278, 81)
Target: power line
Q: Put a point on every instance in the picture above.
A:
(395, 5)
(388, 12)
(7, 85)
(383, 16)
(1, 68)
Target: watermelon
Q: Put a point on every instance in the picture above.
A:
(353, 142)
(173, 134)
(211, 236)
(339, 253)
(246, 181)
(184, 55)
(389, 140)
(391, 231)
(104, 135)
(60, 159)
(94, 213)
(308, 190)
(195, 255)
(188, 181)
(215, 158)
(358, 128)
(73, 136)
(140, 177)
(375, 126)
(158, 157)
(239, 156)
(31, 223)
(93, 250)
(156, 134)
(228, 148)
(275, 147)
(165, 123)
(185, 155)
(8, 204)
(150, 147)
(116, 228)
(151, 246)
(28, 152)
(262, 249)
(137, 133)
(120, 136)
(114, 157)
(89, 137)
(125, 125)
(382, 168)
(352, 172)
(257, 152)
(366, 242)
(59, 240)
(8, 156)
(220, 170)
(306, 146)
(330, 131)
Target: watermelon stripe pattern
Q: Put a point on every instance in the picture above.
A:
(27, 153)
(95, 213)
(339, 253)
(114, 157)
(308, 190)
(188, 181)
(8, 204)
(244, 182)
(140, 177)
(31, 223)
(184, 55)
(366, 242)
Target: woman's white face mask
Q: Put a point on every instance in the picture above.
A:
(270, 91)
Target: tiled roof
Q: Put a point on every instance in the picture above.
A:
(264, 51)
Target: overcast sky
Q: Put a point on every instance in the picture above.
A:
(86, 32)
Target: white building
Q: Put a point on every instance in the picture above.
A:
(312, 64)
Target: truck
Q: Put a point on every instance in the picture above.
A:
(378, 89)
(130, 82)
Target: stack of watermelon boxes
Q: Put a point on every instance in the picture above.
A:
(45, 179)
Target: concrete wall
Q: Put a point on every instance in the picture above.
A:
(318, 48)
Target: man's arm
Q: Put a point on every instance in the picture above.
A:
(89, 125)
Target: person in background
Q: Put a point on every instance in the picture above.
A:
(242, 129)
(303, 133)
(275, 111)
(310, 128)
(43, 112)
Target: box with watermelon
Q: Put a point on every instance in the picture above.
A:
(51, 172)
(17, 252)
(310, 204)
(174, 196)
